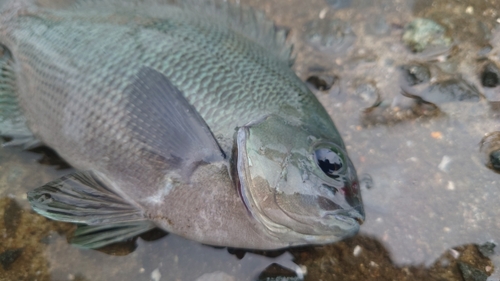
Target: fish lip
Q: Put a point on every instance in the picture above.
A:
(349, 219)
(351, 216)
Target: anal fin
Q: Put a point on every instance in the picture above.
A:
(83, 198)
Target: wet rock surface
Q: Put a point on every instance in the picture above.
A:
(329, 35)
(11, 217)
(431, 199)
(339, 4)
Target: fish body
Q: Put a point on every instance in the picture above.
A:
(184, 117)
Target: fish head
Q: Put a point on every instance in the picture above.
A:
(302, 188)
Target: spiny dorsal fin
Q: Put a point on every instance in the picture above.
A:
(244, 20)
(247, 21)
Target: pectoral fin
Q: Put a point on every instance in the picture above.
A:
(12, 121)
(169, 126)
(83, 198)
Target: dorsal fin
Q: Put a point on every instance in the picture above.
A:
(247, 21)
(250, 22)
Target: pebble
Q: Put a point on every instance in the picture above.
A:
(357, 251)
(156, 275)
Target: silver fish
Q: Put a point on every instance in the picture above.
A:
(181, 116)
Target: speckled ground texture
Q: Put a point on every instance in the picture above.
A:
(412, 123)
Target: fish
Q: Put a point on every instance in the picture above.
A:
(184, 116)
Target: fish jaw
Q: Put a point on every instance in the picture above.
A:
(283, 189)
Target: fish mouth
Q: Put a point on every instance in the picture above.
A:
(349, 217)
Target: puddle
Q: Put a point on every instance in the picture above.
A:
(432, 200)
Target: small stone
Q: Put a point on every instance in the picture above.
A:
(357, 251)
(470, 273)
(451, 185)
(421, 33)
(366, 181)
(8, 257)
(454, 253)
(322, 13)
(451, 90)
(216, 276)
(367, 91)
(487, 249)
(484, 51)
(445, 161)
(156, 275)
(437, 135)
(416, 74)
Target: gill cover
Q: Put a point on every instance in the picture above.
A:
(302, 189)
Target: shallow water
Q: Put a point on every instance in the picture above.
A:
(432, 199)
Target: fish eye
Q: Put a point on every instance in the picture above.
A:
(329, 161)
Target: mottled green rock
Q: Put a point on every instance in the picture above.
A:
(421, 33)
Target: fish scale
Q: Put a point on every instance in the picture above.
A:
(44, 47)
(181, 114)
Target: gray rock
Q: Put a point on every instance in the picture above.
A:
(450, 91)
(415, 73)
(488, 248)
(470, 273)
